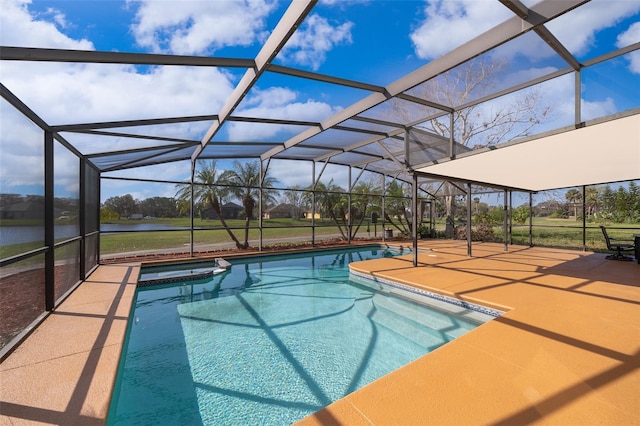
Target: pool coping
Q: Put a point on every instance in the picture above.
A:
(432, 295)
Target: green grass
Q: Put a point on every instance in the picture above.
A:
(15, 249)
(567, 233)
(153, 240)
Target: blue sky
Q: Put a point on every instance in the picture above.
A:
(374, 41)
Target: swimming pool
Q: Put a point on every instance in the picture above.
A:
(270, 341)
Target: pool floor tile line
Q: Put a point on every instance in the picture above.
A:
(566, 350)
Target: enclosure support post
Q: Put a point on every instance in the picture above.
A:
(191, 209)
(577, 98)
(384, 189)
(49, 225)
(505, 222)
(98, 195)
(313, 204)
(349, 210)
(452, 147)
(263, 173)
(511, 217)
(584, 218)
(414, 218)
(469, 220)
(82, 213)
(530, 219)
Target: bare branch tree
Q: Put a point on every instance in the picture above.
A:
(478, 125)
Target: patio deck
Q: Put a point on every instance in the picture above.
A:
(566, 351)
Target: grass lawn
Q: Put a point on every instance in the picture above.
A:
(272, 229)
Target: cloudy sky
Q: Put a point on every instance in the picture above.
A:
(374, 41)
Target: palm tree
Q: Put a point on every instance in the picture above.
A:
(397, 205)
(573, 196)
(363, 197)
(332, 202)
(208, 191)
(244, 183)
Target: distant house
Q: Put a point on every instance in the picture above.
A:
(309, 215)
(229, 210)
(136, 216)
(280, 211)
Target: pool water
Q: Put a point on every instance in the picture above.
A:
(271, 341)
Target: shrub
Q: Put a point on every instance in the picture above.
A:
(482, 232)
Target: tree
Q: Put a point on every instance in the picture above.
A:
(573, 196)
(331, 202)
(107, 214)
(363, 199)
(158, 207)
(208, 191)
(244, 183)
(397, 207)
(520, 215)
(477, 125)
(9, 199)
(124, 205)
(296, 197)
(634, 203)
(592, 200)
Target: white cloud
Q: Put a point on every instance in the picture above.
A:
(598, 109)
(279, 103)
(175, 171)
(21, 144)
(317, 36)
(64, 94)
(196, 27)
(451, 23)
(577, 30)
(632, 35)
(19, 28)
(290, 173)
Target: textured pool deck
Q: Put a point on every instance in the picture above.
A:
(566, 351)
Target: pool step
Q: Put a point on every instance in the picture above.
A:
(166, 277)
(222, 264)
(426, 326)
(437, 319)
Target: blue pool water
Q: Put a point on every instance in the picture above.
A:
(271, 341)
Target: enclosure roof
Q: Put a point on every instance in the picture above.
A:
(551, 162)
(388, 126)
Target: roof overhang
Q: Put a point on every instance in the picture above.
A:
(597, 153)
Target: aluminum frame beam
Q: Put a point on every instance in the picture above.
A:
(8, 53)
(292, 18)
(500, 34)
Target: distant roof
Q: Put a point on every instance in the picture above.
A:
(280, 208)
(232, 205)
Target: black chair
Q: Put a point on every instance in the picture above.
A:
(619, 248)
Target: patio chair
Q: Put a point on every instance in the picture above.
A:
(619, 248)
